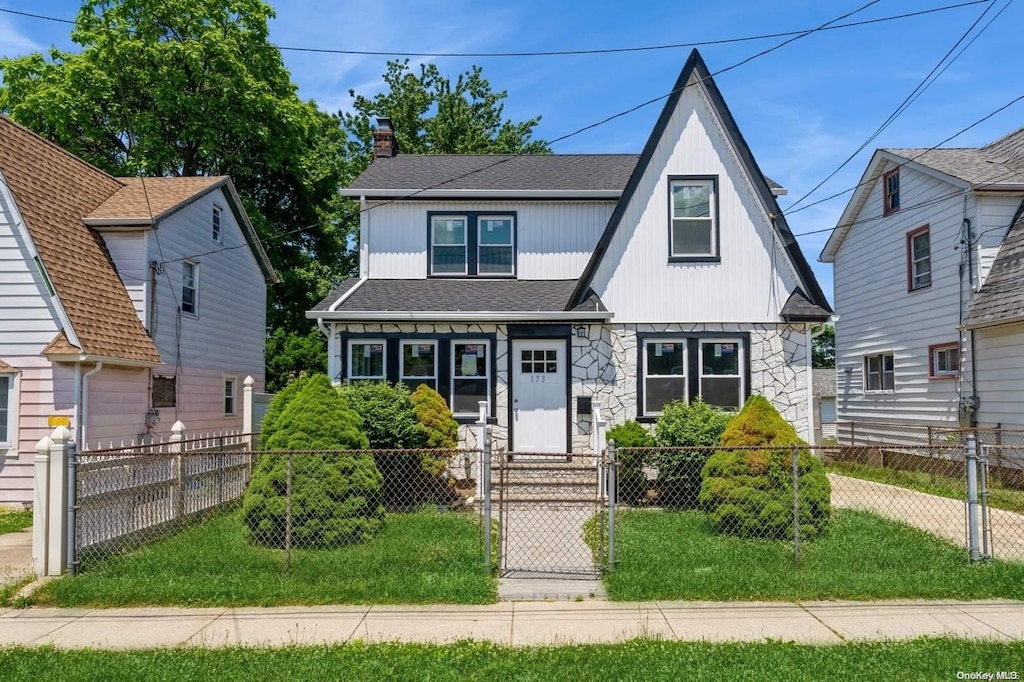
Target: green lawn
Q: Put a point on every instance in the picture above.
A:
(925, 659)
(1000, 497)
(12, 520)
(675, 555)
(422, 557)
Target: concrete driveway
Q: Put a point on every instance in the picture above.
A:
(15, 556)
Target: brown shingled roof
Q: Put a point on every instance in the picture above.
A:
(54, 190)
(145, 198)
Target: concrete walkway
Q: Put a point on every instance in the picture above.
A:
(15, 556)
(513, 623)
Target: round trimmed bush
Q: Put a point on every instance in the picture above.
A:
(631, 483)
(694, 425)
(749, 491)
(335, 495)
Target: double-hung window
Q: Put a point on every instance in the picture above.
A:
(494, 246)
(448, 245)
(473, 244)
(229, 396)
(7, 409)
(944, 361)
(721, 373)
(879, 372)
(216, 224)
(693, 230)
(471, 377)
(891, 191)
(664, 373)
(919, 259)
(190, 287)
(366, 360)
(419, 364)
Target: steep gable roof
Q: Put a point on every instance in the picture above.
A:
(1001, 298)
(148, 199)
(695, 67)
(53, 190)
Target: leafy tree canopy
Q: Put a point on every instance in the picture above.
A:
(823, 349)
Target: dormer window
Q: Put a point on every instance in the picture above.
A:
(891, 188)
(472, 245)
(216, 224)
(693, 222)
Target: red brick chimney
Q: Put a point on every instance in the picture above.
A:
(385, 145)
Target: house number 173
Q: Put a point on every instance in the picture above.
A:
(537, 379)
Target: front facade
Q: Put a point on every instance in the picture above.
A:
(125, 305)
(544, 284)
(927, 279)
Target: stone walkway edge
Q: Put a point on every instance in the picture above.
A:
(513, 623)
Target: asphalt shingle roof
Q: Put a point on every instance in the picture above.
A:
(145, 198)
(1001, 161)
(500, 172)
(459, 295)
(1001, 298)
(799, 308)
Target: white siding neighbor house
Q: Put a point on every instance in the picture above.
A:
(126, 304)
(928, 282)
(543, 283)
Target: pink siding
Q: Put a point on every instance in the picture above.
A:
(118, 402)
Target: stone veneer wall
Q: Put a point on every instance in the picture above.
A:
(604, 365)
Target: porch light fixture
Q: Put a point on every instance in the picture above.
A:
(580, 330)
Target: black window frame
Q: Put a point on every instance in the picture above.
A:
(473, 244)
(693, 341)
(715, 215)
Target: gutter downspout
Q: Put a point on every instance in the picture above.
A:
(85, 401)
(975, 400)
(77, 389)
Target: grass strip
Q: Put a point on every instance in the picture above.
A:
(924, 659)
(13, 520)
(422, 557)
(675, 555)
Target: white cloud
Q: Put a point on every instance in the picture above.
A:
(13, 42)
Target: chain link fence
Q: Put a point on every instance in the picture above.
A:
(869, 433)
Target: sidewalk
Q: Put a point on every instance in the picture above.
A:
(15, 555)
(513, 623)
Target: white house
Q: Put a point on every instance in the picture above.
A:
(928, 274)
(126, 304)
(542, 283)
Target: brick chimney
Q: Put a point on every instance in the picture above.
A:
(385, 145)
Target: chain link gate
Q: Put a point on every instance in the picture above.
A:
(553, 514)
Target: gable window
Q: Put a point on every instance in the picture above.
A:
(879, 372)
(693, 229)
(448, 245)
(664, 373)
(471, 377)
(721, 376)
(190, 287)
(165, 391)
(944, 361)
(366, 360)
(419, 364)
(229, 396)
(494, 255)
(891, 189)
(7, 405)
(216, 224)
(919, 259)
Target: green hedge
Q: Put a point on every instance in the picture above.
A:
(693, 425)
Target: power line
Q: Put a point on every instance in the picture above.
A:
(565, 53)
(908, 100)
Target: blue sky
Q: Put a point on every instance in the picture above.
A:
(803, 109)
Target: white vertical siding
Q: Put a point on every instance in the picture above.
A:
(128, 251)
(554, 239)
(1001, 375)
(878, 314)
(753, 279)
(995, 213)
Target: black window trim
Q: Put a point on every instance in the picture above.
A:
(716, 226)
(693, 341)
(473, 244)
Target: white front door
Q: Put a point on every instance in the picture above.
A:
(539, 396)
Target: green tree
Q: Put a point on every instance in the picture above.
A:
(823, 348)
(291, 354)
(432, 115)
(193, 87)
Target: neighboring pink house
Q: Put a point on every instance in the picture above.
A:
(126, 304)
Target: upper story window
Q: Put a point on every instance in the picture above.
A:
(693, 229)
(7, 406)
(919, 259)
(944, 361)
(472, 244)
(190, 287)
(879, 372)
(216, 224)
(891, 191)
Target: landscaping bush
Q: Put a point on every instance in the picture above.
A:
(749, 492)
(693, 425)
(631, 481)
(268, 426)
(439, 426)
(335, 497)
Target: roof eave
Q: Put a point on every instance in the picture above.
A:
(117, 222)
(498, 316)
(105, 359)
(610, 194)
(1015, 319)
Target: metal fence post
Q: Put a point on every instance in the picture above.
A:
(986, 528)
(485, 483)
(220, 471)
(972, 496)
(288, 515)
(72, 507)
(796, 506)
(612, 475)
